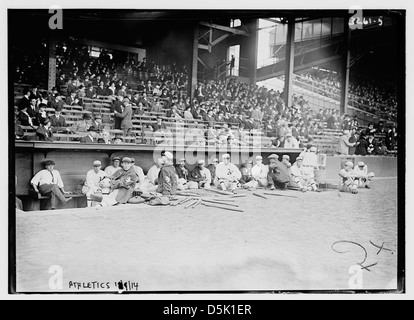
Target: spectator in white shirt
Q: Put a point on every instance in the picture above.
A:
(49, 182)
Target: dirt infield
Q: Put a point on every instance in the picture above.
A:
(276, 244)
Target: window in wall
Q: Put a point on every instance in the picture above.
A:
(234, 23)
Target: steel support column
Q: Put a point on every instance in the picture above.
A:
(290, 55)
(346, 65)
(194, 63)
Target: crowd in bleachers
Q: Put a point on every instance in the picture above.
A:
(364, 92)
(117, 99)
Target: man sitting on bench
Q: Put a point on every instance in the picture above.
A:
(48, 182)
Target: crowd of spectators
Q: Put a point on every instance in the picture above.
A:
(365, 93)
(228, 109)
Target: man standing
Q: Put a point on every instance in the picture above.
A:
(227, 174)
(167, 179)
(182, 173)
(344, 144)
(49, 182)
(278, 175)
(110, 170)
(260, 171)
(362, 175)
(126, 116)
(122, 184)
(200, 177)
(93, 179)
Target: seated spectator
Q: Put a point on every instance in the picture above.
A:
(83, 125)
(187, 114)
(33, 111)
(227, 174)
(140, 110)
(57, 120)
(159, 125)
(157, 91)
(200, 177)
(44, 132)
(291, 142)
(372, 144)
(72, 100)
(24, 117)
(93, 180)
(49, 182)
(122, 184)
(56, 102)
(102, 90)
(44, 98)
(41, 114)
(122, 91)
(157, 107)
(24, 103)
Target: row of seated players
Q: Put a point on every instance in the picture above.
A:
(118, 182)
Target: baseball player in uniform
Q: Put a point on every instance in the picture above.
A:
(348, 182)
(362, 176)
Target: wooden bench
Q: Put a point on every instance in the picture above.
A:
(42, 202)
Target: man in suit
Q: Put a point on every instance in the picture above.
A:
(90, 92)
(101, 90)
(32, 110)
(24, 117)
(56, 102)
(125, 116)
(25, 101)
(57, 120)
(118, 107)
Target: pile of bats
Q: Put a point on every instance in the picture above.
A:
(223, 200)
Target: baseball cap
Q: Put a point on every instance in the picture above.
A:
(299, 158)
(169, 155)
(226, 156)
(361, 164)
(313, 149)
(349, 163)
(116, 158)
(273, 156)
(259, 158)
(97, 163)
(201, 161)
(285, 156)
(127, 159)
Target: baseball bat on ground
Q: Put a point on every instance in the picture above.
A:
(222, 203)
(210, 205)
